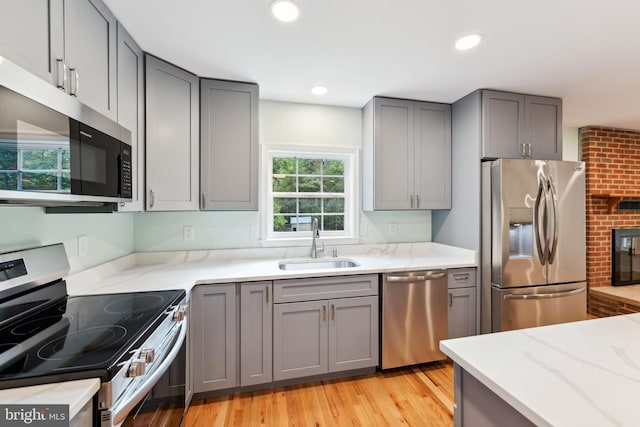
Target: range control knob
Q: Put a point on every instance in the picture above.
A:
(136, 368)
(180, 313)
(148, 354)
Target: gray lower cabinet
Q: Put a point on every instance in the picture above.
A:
(406, 155)
(228, 145)
(71, 44)
(315, 335)
(462, 302)
(516, 125)
(214, 330)
(172, 130)
(131, 111)
(256, 337)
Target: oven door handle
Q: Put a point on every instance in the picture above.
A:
(120, 412)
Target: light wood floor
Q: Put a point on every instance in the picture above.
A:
(415, 396)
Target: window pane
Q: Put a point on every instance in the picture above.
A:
(66, 160)
(310, 205)
(8, 159)
(284, 205)
(281, 223)
(286, 165)
(8, 181)
(333, 185)
(309, 166)
(333, 167)
(308, 184)
(40, 159)
(39, 181)
(334, 205)
(66, 181)
(285, 184)
(334, 222)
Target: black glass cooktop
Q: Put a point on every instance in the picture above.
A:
(88, 334)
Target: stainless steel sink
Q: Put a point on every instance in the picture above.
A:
(311, 264)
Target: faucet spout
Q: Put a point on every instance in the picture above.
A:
(315, 235)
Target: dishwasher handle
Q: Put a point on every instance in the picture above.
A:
(428, 275)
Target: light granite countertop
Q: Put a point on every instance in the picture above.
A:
(574, 374)
(73, 393)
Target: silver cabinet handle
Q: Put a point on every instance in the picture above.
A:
(523, 149)
(333, 312)
(152, 196)
(324, 312)
(204, 201)
(546, 296)
(62, 71)
(417, 201)
(77, 82)
(267, 294)
(529, 150)
(450, 299)
(412, 201)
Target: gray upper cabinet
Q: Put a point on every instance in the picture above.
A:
(406, 155)
(71, 44)
(172, 129)
(131, 110)
(228, 145)
(516, 125)
(213, 343)
(256, 337)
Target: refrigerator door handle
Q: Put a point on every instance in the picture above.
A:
(554, 201)
(542, 252)
(546, 296)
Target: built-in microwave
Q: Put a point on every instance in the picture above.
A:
(48, 155)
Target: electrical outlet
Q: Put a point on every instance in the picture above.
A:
(83, 245)
(393, 228)
(188, 232)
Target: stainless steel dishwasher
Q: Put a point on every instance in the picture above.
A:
(414, 317)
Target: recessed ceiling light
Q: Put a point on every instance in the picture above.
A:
(285, 10)
(319, 90)
(468, 42)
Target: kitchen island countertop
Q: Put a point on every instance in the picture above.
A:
(583, 373)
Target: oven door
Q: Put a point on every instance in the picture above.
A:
(159, 399)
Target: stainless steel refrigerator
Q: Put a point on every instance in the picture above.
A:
(533, 243)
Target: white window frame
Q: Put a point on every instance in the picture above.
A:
(351, 194)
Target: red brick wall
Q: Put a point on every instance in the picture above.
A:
(604, 307)
(612, 158)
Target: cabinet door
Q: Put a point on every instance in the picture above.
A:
(462, 312)
(432, 156)
(256, 338)
(394, 153)
(131, 110)
(172, 137)
(543, 118)
(229, 145)
(31, 33)
(502, 124)
(353, 333)
(300, 339)
(90, 54)
(214, 337)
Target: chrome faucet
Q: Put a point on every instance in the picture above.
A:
(315, 235)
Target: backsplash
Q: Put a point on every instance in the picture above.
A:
(612, 158)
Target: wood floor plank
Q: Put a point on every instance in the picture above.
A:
(416, 396)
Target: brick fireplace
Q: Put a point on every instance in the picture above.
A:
(612, 158)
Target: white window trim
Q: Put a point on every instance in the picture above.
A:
(352, 203)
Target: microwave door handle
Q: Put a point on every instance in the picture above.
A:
(554, 202)
(120, 412)
(536, 225)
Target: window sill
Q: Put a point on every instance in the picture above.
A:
(328, 241)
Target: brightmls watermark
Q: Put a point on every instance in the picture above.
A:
(34, 415)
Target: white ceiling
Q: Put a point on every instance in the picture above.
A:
(584, 51)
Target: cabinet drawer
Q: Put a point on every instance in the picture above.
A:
(320, 288)
(462, 278)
